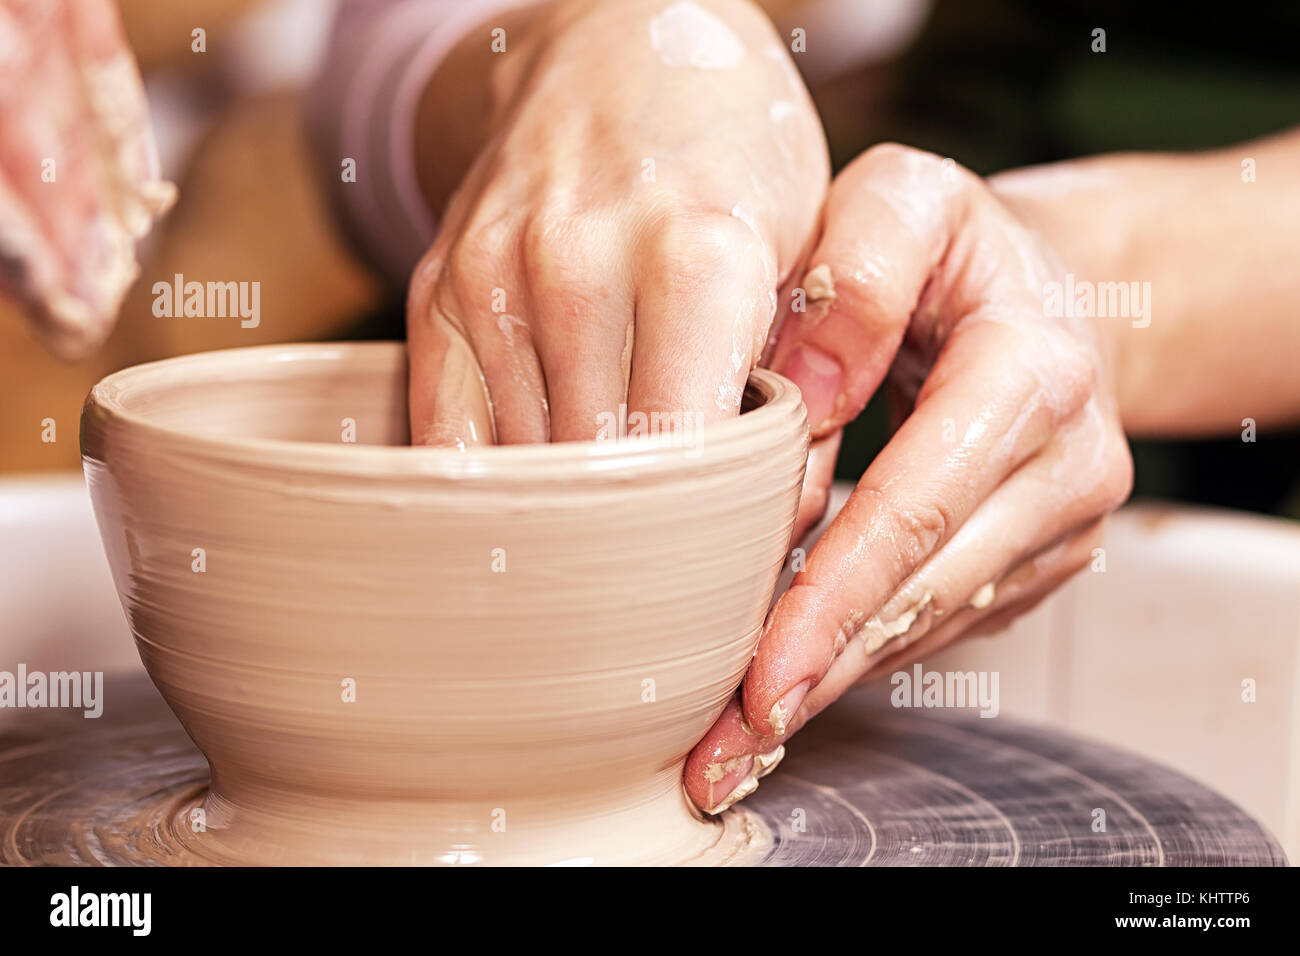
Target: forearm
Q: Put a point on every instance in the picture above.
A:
(1221, 338)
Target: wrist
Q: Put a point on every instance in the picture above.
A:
(1092, 213)
(464, 98)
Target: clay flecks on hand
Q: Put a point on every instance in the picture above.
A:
(876, 632)
(984, 596)
(687, 35)
(778, 718)
(819, 284)
(763, 765)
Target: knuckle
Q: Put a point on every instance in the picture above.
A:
(1076, 368)
(1107, 481)
(424, 281)
(698, 245)
(476, 265)
(561, 263)
(897, 155)
(874, 301)
(1068, 390)
(1117, 479)
(1060, 367)
(920, 528)
(916, 166)
(556, 251)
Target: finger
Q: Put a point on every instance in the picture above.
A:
(917, 494)
(1083, 473)
(727, 765)
(1020, 590)
(817, 479)
(705, 300)
(116, 93)
(482, 287)
(447, 393)
(582, 304)
(887, 221)
(789, 291)
(512, 373)
(116, 101)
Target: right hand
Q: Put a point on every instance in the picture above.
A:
(993, 489)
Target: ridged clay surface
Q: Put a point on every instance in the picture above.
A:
(532, 704)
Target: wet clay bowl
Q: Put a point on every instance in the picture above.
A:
(414, 655)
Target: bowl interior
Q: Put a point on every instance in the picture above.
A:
(295, 394)
(299, 393)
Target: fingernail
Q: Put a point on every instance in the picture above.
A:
(820, 379)
(785, 708)
(726, 778)
(741, 774)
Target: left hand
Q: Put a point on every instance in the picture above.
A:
(990, 494)
(615, 253)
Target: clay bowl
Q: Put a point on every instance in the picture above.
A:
(415, 655)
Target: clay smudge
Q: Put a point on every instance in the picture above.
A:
(779, 719)
(877, 633)
(984, 596)
(780, 110)
(819, 284)
(686, 35)
(763, 765)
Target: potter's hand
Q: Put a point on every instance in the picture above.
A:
(652, 171)
(78, 169)
(989, 495)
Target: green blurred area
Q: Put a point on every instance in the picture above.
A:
(997, 84)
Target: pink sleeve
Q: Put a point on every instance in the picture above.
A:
(363, 107)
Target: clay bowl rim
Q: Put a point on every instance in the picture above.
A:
(778, 421)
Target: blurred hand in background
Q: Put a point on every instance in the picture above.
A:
(79, 177)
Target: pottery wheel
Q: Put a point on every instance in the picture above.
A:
(864, 785)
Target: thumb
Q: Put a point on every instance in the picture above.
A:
(846, 321)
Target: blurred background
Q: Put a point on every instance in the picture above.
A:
(992, 83)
